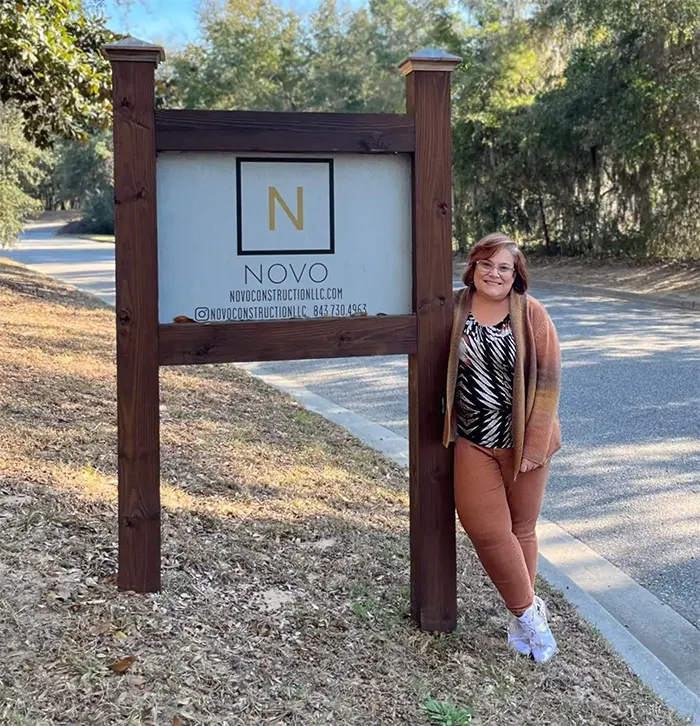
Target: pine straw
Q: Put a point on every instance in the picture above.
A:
(285, 562)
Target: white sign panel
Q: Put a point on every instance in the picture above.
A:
(243, 237)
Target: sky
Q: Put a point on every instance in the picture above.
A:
(172, 23)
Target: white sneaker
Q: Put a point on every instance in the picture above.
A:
(518, 639)
(534, 622)
(541, 607)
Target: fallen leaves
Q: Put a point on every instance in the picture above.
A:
(123, 664)
(263, 615)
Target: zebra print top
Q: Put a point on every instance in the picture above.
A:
(484, 396)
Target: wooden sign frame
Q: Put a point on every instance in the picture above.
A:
(144, 344)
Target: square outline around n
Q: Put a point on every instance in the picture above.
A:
(239, 205)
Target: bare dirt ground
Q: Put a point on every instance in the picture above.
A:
(52, 218)
(681, 280)
(285, 563)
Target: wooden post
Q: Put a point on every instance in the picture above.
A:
(432, 519)
(133, 67)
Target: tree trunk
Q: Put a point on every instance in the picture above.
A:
(545, 226)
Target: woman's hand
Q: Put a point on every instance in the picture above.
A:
(527, 465)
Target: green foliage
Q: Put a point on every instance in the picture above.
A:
(251, 58)
(54, 84)
(257, 56)
(19, 174)
(506, 66)
(15, 209)
(589, 146)
(445, 714)
(83, 177)
(98, 217)
(678, 19)
(75, 174)
(51, 66)
(575, 122)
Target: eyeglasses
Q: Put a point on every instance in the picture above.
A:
(486, 267)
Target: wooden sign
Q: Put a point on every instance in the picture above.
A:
(278, 199)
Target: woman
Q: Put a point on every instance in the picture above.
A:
(502, 396)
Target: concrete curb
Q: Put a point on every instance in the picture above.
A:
(638, 626)
(374, 435)
(647, 666)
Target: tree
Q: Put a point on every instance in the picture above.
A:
(353, 57)
(256, 56)
(627, 115)
(54, 83)
(82, 168)
(18, 172)
(576, 126)
(251, 58)
(507, 65)
(52, 68)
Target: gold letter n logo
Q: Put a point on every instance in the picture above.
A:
(298, 219)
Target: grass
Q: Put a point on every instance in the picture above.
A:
(285, 563)
(98, 237)
(76, 228)
(446, 714)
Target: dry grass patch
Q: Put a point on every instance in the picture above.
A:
(679, 279)
(285, 563)
(652, 278)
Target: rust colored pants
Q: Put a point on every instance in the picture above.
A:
(499, 516)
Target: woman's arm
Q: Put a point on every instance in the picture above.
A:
(539, 427)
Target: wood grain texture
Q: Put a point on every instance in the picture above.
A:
(251, 131)
(137, 326)
(189, 343)
(432, 518)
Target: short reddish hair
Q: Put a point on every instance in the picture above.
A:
(491, 245)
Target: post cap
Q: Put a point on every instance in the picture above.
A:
(133, 49)
(430, 59)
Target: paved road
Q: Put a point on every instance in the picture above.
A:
(627, 482)
(83, 263)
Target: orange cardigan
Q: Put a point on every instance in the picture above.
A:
(536, 384)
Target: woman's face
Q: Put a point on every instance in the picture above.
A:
(494, 277)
